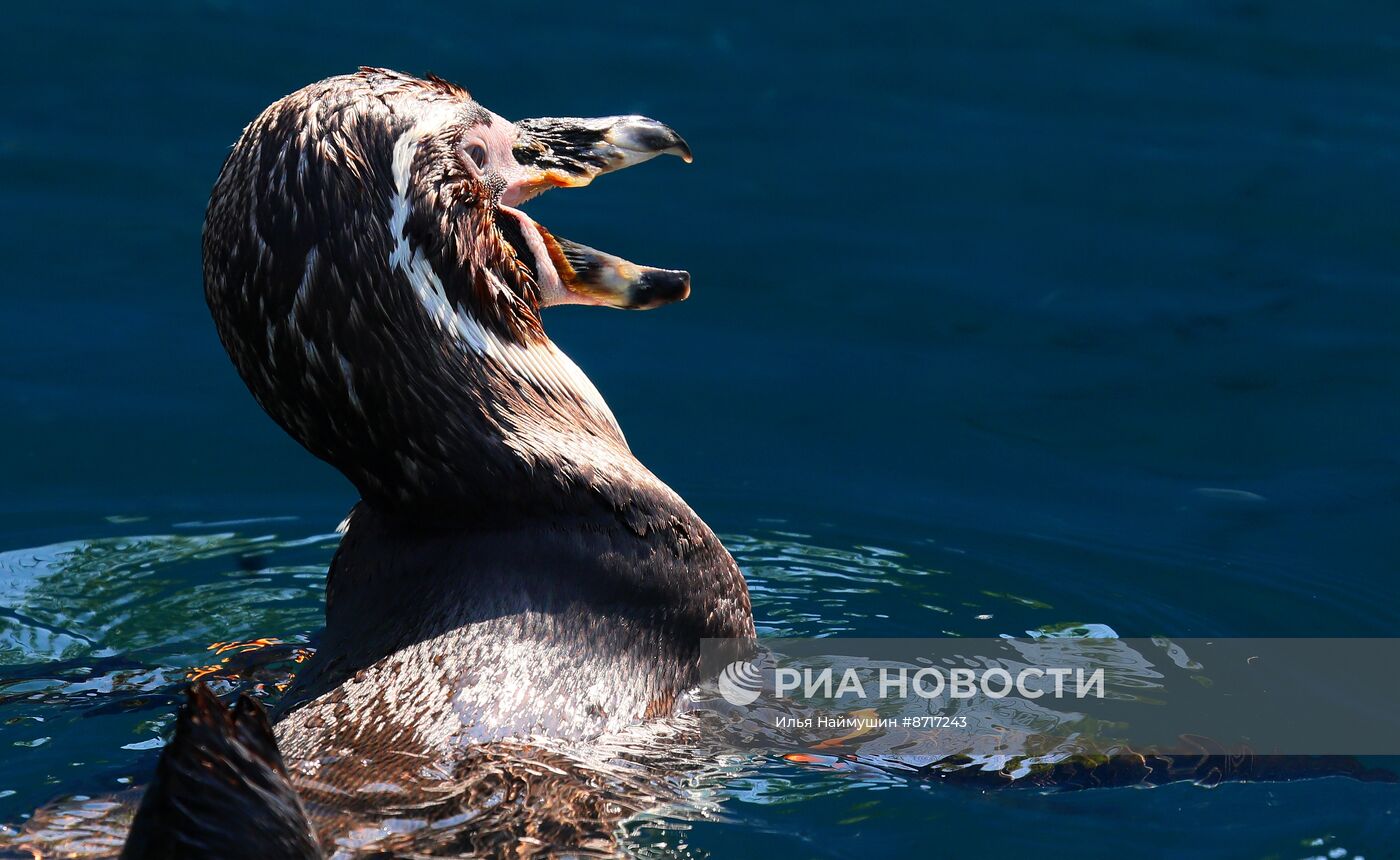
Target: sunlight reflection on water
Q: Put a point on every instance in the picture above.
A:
(98, 637)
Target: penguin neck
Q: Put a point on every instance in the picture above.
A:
(497, 429)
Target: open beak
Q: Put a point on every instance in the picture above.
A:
(562, 153)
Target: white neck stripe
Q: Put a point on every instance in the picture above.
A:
(543, 364)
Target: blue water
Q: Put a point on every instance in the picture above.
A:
(1005, 316)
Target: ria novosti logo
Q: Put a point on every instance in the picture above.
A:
(740, 683)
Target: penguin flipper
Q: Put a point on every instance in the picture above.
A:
(221, 790)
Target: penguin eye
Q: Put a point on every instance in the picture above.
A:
(477, 153)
